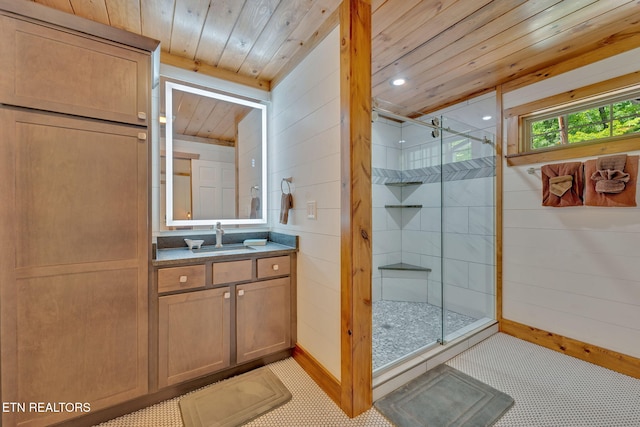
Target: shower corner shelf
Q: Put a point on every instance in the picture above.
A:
(403, 266)
(402, 206)
(403, 184)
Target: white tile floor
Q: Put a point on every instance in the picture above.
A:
(549, 388)
(309, 406)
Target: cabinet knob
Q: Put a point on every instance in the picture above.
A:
(142, 115)
(227, 295)
(183, 279)
(275, 267)
(241, 292)
(142, 136)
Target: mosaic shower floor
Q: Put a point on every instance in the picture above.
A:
(400, 328)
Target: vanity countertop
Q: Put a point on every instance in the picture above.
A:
(182, 256)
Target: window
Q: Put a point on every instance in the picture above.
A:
(602, 118)
(460, 150)
(589, 121)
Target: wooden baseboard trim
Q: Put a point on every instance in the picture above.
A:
(609, 359)
(327, 382)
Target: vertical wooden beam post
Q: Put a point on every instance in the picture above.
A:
(499, 200)
(355, 247)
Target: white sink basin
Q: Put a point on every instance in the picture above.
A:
(230, 248)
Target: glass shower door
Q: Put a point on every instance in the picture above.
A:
(407, 305)
(433, 183)
(468, 229)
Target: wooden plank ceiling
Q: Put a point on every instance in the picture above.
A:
(447, 50)
(202, 119)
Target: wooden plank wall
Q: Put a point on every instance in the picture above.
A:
(558, 292)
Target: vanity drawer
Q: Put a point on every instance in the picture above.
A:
(232, 271)
(276, 266)
(179, 278)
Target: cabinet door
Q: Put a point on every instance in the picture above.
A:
(56, 70)
(75, 254)
(80, 189)
(194, 335)
(263, 318)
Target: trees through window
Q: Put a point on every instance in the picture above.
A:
(589, 121)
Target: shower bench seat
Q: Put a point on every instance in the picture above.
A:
(403, 266)
(404, 282)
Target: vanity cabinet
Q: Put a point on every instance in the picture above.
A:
(74, 217)
(245, 313)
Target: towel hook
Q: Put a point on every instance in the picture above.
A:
(288, 181)
(254, 191)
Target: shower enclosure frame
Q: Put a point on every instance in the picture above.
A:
(439, 130)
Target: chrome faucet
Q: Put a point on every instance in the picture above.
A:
(219, 233)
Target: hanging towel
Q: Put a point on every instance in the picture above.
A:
(558, 173)
(255, 206)
(609, 175)
(610, 180)
(559, 185)
(286, 203)
(625, 198)
(615, 162)
(610, 186)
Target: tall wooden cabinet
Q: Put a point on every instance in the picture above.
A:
(74, 184)
(54, 70)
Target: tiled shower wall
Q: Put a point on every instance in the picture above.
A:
(413, 235)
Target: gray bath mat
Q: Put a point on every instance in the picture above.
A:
(235, 401)
(444, 397)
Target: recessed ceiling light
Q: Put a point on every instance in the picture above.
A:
(398, 82)
(486, 117)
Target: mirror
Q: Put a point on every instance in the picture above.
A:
(215, 157)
